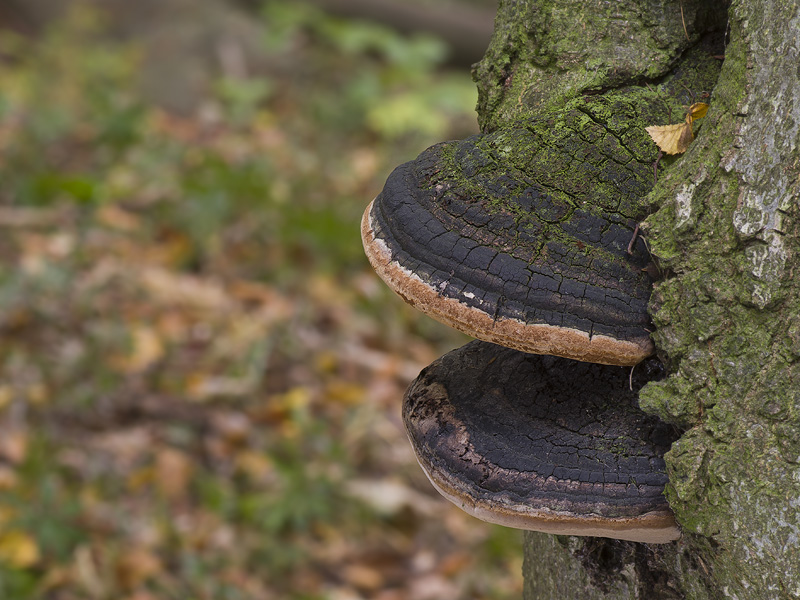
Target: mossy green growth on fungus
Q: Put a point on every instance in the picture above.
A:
(590, 157)
(593, 147)
(591, 152)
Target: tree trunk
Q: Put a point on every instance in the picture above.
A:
(724, 231)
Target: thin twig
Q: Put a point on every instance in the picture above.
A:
(655, 167)
(633, 239)
(684, 22)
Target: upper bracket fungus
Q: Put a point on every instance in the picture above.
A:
(521, 236)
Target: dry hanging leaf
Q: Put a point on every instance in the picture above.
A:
(698, 110)
(675, 139)
(672, 139)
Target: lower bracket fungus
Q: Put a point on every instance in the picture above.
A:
(542, 443)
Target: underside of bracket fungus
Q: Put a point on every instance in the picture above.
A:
(542, 443)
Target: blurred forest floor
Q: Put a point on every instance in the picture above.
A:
(200, 376)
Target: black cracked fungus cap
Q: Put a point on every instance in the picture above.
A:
(520, 237)
(542, 443)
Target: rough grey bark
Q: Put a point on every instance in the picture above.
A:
(724, 231)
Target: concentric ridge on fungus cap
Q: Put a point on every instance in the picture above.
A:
(520, 236)
(542, 443)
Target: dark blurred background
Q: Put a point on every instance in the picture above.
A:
(200, 376)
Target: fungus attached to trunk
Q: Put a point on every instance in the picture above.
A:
(524, 237)
(520, 237)
(542, 443)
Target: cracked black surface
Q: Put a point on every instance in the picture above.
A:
(544, 431)
(538, 233)
(532, 222)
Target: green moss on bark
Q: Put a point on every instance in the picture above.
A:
(544, 53)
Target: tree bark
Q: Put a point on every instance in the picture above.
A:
(724, 232)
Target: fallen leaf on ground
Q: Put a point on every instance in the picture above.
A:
(136, 565)
(146, 348)
(363, 577)
(18, 549)
(173, 472)
(13, 445)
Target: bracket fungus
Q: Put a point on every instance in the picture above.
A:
(519, 237)
(542, 443)
(524, 237)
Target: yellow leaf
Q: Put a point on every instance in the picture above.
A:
(37, 393)
(698, 110)
(349, 394)
(173, 470)
(117, 218)
(675, 139)
(135, 566)
(140, 478)
(363, 577)
(672, 139)
(256, 465)
(146, 348)
(8, 478)
(296, 399)
(18, 549)
(6, 396)
(14, 445)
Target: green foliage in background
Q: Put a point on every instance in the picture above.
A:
(197, 363)
(79, 130)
